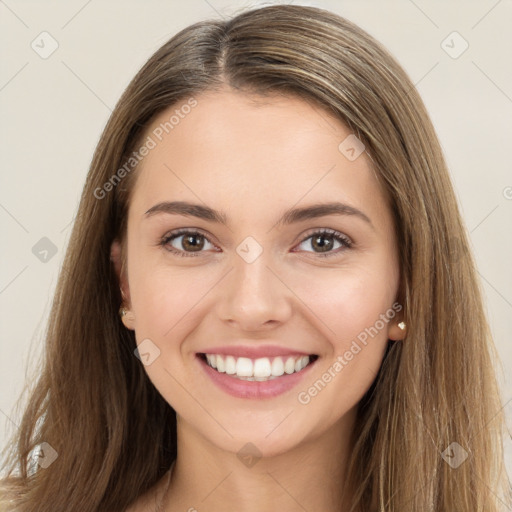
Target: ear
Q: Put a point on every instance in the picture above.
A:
(395, 330)
(116, 257)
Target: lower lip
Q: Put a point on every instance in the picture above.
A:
(255, 389)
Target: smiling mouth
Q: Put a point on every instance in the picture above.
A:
(260, 369)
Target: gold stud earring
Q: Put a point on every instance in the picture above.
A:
(123, 312)
(127, 317)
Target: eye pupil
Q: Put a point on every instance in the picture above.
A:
(324, 247)
(188, 242)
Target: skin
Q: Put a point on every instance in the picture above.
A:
(253, 158)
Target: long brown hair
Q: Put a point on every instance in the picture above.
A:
(114, 434)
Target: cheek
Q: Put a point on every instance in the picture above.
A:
(348, 301)
(356, 341)
(167, 301)
(353, 309)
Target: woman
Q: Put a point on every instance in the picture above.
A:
(300, 325)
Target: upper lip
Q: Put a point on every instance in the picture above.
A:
(255, 352)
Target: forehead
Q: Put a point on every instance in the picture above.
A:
(233, 149)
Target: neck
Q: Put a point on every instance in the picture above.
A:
(308, 477)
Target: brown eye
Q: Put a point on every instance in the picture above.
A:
(323, 242)
(192, 242)
(186, 243)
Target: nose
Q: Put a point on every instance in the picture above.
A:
(253, 296)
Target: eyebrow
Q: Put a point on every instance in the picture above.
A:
(291, 216)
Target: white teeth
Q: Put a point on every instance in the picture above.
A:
(277, 367)
(260, 369)
(289, 366)
(244, 367)
(220, 364)
(301, 363)
(230, 365)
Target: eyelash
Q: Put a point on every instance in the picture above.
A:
(339, 237)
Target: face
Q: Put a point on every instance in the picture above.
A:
(229, 254)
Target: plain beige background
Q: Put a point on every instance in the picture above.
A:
(54, 107)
